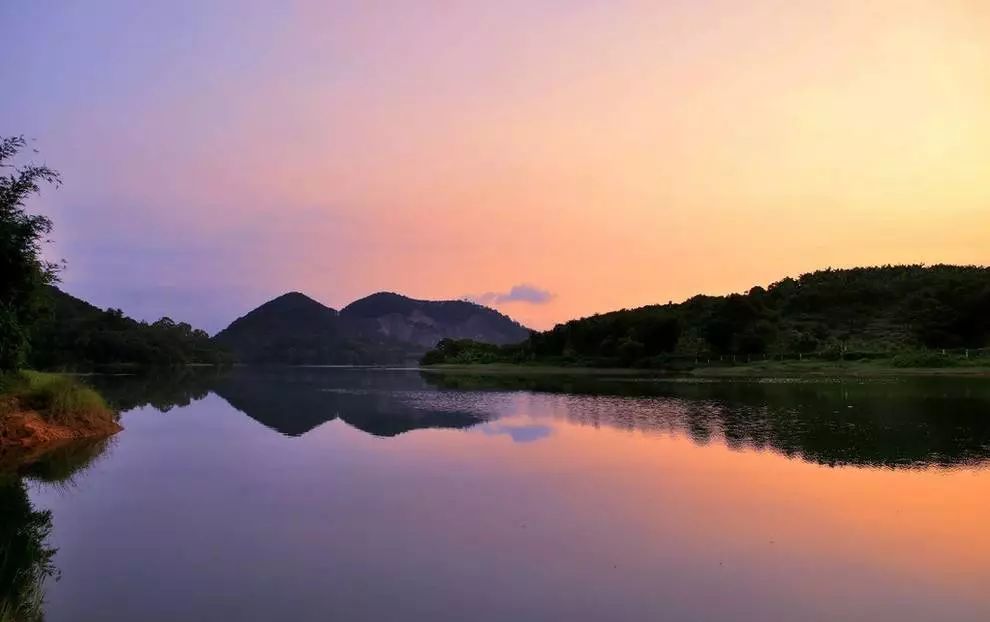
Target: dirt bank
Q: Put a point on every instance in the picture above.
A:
(25, 436)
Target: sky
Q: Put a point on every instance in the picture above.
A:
(551, 158)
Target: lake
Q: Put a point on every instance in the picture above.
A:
(347, 494)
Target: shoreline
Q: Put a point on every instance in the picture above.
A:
(26, 437)
(808, 369)
(41, 411)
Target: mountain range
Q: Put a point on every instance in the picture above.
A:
(873, 312)
(383, 328)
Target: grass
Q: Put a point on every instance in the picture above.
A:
(60, 399)
(536, 369)
(896, 366)
(901, 365)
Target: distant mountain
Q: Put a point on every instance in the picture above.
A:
(424, 322)
(384, 328)
(292, 328)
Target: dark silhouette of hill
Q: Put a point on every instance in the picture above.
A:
(73, 334)
(383, 328)
(832, 314)
(290, 329)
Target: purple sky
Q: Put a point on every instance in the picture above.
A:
(554, 158)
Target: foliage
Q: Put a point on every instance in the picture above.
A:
(72, 334)
(23, 271)
(465, 352)
(860, 313)
(923, 359)
(626, 337)
(25, 558)
(62, 399)
(58, 398)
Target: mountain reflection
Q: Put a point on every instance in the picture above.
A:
(918, 422)
(26, 559)
(294, 402)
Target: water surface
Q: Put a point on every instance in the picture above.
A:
(322, 494)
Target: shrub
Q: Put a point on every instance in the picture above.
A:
(62, 399)
(923, 359)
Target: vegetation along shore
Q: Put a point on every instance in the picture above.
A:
(37, 410)
(906, 319)
(896, 317)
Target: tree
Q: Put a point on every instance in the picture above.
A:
(23, 272)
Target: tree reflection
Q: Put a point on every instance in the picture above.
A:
(915, 422)
(26, 558)
(921, 422)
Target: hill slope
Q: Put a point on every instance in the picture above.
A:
(292, 329)
(73, 334)
(383, 328)
(860, 312)
(425, 322)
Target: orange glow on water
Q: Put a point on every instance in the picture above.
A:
(795, 521)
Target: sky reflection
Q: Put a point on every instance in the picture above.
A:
(203, 513)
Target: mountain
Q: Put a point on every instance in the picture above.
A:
(873, 312)
(73, 334)
(289, 329)
(294, 329)
(384, 328)
(424, 322)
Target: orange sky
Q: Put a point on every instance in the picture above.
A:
(612, 153)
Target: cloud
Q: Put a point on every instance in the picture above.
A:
(518, 433)
(528, 294)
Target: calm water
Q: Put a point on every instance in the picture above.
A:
(372, 495)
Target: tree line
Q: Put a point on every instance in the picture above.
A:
(45, 328)
(834, 313)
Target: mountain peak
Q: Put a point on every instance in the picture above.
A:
(294, 299)
(380, 303)
(384, 327)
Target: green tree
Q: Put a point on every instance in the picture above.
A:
(23, 271)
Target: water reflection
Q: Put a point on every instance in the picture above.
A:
(26, 558)
(579, 498)
(892, 423)
(518, 433)
(163, 389)
(295, 402)
(940, 422)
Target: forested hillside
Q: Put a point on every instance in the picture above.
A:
(853, 313)
(75, 335)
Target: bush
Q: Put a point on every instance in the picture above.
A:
(923, 359)
(61, 399)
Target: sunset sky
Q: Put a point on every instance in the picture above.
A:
(553, 158)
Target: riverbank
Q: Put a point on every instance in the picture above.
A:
(39, 410)
(761, 369)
